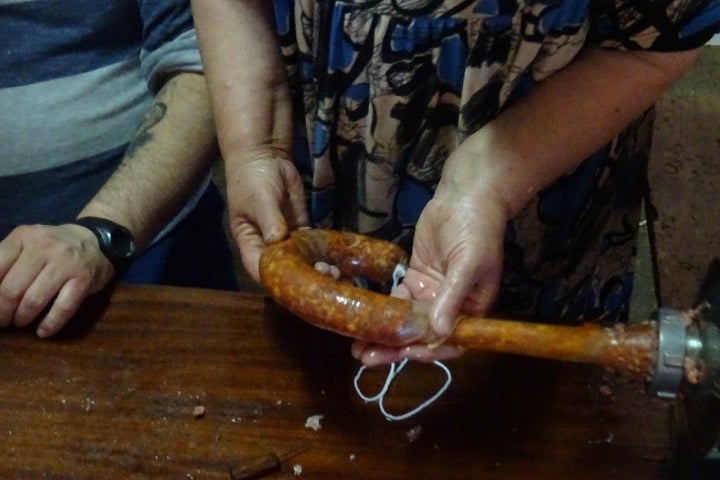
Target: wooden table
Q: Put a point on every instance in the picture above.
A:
(114, 397)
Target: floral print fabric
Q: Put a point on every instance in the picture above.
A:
(385, 90)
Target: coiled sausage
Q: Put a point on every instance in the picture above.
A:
(287, 273)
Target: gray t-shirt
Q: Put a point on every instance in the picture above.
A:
(76, 78)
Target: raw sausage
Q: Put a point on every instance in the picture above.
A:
(287, 273)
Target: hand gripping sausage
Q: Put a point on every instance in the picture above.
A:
(287, 273)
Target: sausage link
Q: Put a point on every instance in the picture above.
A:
(630, 349)
(287, 272)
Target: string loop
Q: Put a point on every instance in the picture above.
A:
(395, 369)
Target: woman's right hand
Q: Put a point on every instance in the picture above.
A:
(247, 81)
(266, 201)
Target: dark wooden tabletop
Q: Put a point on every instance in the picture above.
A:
(118, 396)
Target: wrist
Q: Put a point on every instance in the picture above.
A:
(466, 180)
(489, 169)
(239, 158)
(116, 242)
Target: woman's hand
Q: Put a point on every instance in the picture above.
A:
(455, 267)
(266, 202)
(253, 114)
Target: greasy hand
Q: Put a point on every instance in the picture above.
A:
(56, 266)
(266, 202)
(455, 267)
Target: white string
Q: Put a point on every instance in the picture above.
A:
(398, 274)
(395, 369)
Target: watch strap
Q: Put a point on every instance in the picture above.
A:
(105, 230)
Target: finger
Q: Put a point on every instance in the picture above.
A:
(371, 354)
(10, 250)
(452, 292)
(269, 219)
(326, 269)
(401, 292)
(322, 267)
(37, 296)
(251, 245)
(9, 253)
(357, 347)
(424, 353)
(17, 280)
(420, 286)
(374, 355)
(68, 300)
(297, 203)
(250, 252)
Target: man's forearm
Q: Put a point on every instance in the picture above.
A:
(172, 151)
(565, 119)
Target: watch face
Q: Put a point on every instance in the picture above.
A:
(116, 242)
(122, 243)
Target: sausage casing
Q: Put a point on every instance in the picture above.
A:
(288, 274)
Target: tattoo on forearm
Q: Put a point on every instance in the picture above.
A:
(143, 134)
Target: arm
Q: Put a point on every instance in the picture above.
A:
(568, 117)
(172, 151)
(245, 74)
(564, 120)
(495, 172)
(251, 103)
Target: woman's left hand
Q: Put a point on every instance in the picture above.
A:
(455, 268)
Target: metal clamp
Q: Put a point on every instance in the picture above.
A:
(672, 342)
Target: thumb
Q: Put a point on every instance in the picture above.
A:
(297, 203)
(445, 308)
(270, 220)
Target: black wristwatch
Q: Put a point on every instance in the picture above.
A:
(116, 242)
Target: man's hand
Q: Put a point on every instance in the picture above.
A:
(55, 266)
(266, 202)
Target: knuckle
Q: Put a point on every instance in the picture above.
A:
(7, 310)
(30, 305)
(83, 277)
(67, 253)
(28, 233)
(24, 230)
(9, 295)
